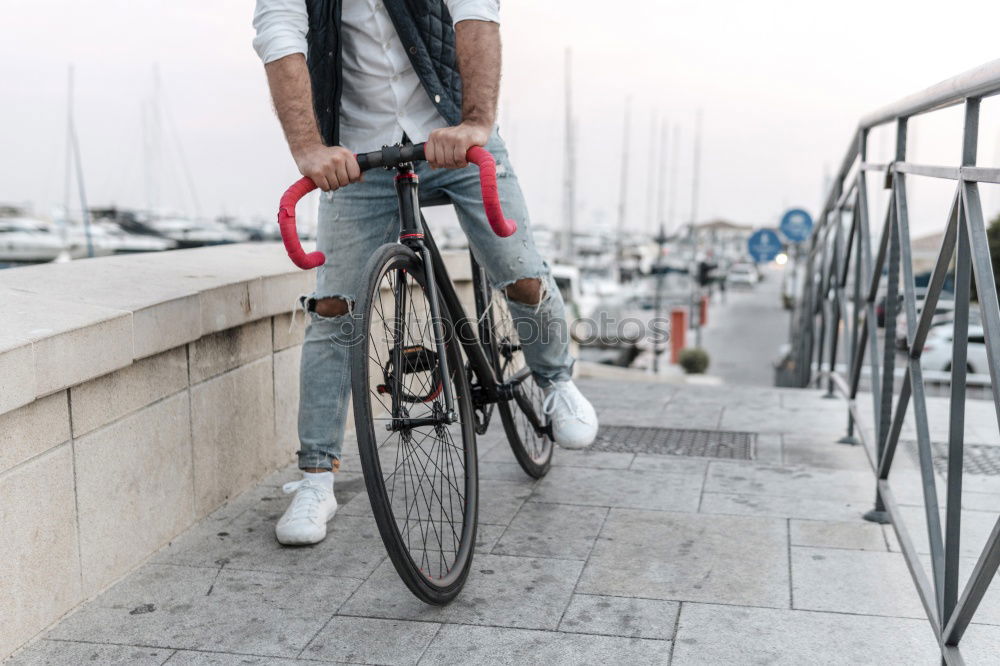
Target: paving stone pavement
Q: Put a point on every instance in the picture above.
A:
(613, 558)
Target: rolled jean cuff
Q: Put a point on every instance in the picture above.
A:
(316, 460)
(547, 379)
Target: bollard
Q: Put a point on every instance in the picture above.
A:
(678, 331)
(703, 311)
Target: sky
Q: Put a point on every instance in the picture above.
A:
(780, 87)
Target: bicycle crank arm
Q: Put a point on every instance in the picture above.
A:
(542, 429)
(407, 423)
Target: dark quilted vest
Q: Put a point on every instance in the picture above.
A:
(425, 29)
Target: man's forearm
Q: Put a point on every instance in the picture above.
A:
(329, 167)
(291, 91)
(478, 47)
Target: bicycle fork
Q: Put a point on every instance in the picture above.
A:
(411, 234)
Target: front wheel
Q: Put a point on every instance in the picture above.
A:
(418, 457)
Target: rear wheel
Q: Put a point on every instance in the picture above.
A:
(522, 417)
(420, 470)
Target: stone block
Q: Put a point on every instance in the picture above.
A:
(352, 548)
(166, 325)
(976, 527)
(500, 591)
(372, 641)
(288, 333)
(827, 452)
(165, 308)
(210, 609)
(232, 420)
(59, 653)
(853, 581)
(857, 535)
(672, 464)
(100, 401)
(286, 400)
(619, 616)
(783, 506)
(280, 293)
(196, 658)
(81, 354)
(17, 367)
(33, 429)
(72, 342)
(769, 449)
(709, 635)
(690, 557)
(134, 489)
(503, 471)
(588, 458)
(457, 645)
(637, 489)
(224, 350)
(231, 305)
(499, 501)
(40, 575)
(552, 530)
(795, 481)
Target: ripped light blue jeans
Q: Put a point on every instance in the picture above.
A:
(353, 223)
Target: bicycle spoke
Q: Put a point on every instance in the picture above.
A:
(423, 469)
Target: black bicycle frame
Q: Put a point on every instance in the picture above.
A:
(414, 234)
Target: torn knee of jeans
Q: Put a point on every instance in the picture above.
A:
(527, 291)
(328, 307)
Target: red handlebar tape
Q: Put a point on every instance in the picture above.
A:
(502, 227)
(491, 204)
(286, 222)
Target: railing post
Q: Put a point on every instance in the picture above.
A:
(854, 241)
(959, 361)
(834, 273)
(878, 514)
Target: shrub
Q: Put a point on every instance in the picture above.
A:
(693, 360)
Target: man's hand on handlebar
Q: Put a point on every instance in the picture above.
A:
(330, 167)
(446, 147)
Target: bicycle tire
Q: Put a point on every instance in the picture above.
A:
(532, 450)
(427, 471)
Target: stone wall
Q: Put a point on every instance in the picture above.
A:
(137, 395)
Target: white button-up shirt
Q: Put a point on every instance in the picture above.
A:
(382, 96)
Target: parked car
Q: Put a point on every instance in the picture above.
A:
(938, 350)
(744, 275)
(880, 308)
(943, 310)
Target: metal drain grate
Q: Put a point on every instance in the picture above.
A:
(676, 442)
(982, 459)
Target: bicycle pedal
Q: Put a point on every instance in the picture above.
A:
(417, 358)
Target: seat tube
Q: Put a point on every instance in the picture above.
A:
(411, 234)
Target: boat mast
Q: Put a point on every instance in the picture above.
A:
(651, 176)
(569, 183)
(74, 149)
(623, 192)
(661, 240)
(695, 310)
(68, 182)
(672, 209)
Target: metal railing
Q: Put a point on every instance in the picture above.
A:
(845, 275)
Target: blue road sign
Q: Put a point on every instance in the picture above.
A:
(796, 225)
(764, 245)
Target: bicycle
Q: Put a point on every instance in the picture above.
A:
(408, 376)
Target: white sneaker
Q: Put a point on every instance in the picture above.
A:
(306, 517)
(573, 419)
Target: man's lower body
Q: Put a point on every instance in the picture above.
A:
(353, 223)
